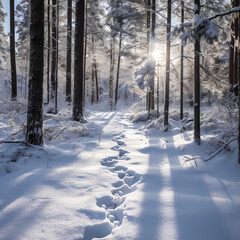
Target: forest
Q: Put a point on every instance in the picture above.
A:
(120, 119)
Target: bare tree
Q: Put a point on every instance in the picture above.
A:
(166, 101)
(12, 51)
(34, 134)
(197, 80)
(69, 52)
(182, 61)
(79, 61)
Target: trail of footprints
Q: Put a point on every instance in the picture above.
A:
(126, 183)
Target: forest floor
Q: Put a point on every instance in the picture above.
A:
(118, 182)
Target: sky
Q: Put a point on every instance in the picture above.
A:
(6, 9)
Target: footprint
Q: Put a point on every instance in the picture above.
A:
(120, 143)
(124, 158)
(123, 190)
(108, 202)
(115, 148)
(118, 184)
(122, 152)
(131, 180)
(97, 231)
(115, 216)
(109, 161)
(118, 169)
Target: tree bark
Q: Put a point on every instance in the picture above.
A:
(148, 24)
(118, 68)
(182, 61)
(79, 61)
(153, 48)
(197, 82)
(48, 51)
(166, 102)
(69, 53)
(111, 77)
(54, 52)
(12, 51)
(34, 134)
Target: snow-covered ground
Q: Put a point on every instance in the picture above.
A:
(116, 182)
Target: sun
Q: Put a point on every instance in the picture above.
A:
(156, 54)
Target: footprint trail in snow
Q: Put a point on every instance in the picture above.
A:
(113, 204)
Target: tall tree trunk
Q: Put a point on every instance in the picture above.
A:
(85, 56)
(95, 70)
(12, 51)
(48, 51)
(79, 61)
(166, 102)
(69, 53)
(182, 53)
(56, 74)
(34, 134)
(236, 49)
(148, 24)
(118, 68)
(54, 51)
(153, 48)
(197, 81)
(93, 84)
(231, 59)
(111, 77)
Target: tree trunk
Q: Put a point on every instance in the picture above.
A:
(34, 134)
(148, 24)
(166, 102)
(79, 61)
(69, 53)
(182, 53)
(231, 60)
(54, 52)
(12, 51)
(111, 77)
(95, 70)
(85, 57)
(48, 51)
(153, 48)
(236, 48)
(118, 68)
(197, 82)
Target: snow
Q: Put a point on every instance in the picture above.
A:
(119, 181)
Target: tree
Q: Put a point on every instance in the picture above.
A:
(3, 39)
(22, 29)
(166, 101)
(34, 134)
(13, 51)
(69, 52)
(182, 61)
(54, 65)
(197, 77)
(79, 60)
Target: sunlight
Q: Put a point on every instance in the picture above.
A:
(156, 55)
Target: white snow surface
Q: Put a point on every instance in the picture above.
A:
(117, 182)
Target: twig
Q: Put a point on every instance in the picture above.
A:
(217, 152)
(187, 159)
(59, 133)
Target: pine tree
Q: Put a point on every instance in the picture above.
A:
(13, 51)
(79, 60)
(69, 52)
(34, 134)
(166, 102)
(197, 79)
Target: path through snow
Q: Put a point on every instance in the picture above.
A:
(119, 183)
